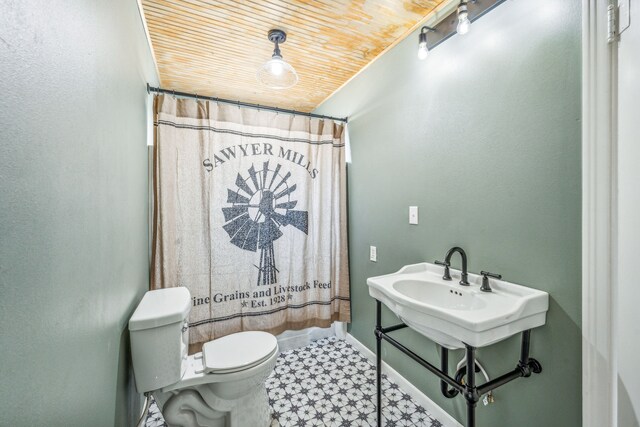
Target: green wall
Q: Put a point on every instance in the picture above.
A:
(483, 136)
(73, 209)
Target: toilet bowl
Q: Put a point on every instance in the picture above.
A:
(222, 386)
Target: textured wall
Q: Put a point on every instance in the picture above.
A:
(484, 136)
(73, 208)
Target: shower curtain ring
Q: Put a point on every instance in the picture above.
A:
(174, 93)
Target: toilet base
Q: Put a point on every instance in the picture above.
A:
(199, 407)
(236, 399)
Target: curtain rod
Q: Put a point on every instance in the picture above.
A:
(241, 104)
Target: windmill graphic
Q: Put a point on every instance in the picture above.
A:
(260, 205)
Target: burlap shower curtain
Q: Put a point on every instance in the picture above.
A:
(250, 215)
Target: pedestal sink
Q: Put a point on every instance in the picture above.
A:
(453, 315)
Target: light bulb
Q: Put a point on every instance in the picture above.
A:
(422, 50)
(463, 23)
(276, 67)
(276, 73)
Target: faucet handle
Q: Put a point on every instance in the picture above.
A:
(445, 264)
(485, 280)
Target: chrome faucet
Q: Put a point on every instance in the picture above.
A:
(447, 263)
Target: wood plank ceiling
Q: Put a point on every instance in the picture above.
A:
(216, 47)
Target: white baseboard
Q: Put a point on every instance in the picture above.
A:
(289, 340)
(435, 410)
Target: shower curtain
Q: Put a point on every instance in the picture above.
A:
(250, 215)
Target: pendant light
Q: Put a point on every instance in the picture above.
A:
(276, 73)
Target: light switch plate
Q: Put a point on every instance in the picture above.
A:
(373, 254)
(413, 215)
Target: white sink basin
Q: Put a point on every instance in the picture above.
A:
(454, 315)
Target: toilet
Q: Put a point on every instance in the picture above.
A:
(222, 386)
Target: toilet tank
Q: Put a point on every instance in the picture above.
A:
(159, 336)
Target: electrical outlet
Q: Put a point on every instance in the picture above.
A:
(413, 215)
(373, 254)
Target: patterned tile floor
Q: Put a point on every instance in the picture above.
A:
(329, 383)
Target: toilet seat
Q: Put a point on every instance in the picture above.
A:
(237, 352)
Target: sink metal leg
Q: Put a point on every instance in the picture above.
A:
(524, 347)
(471, 395)
(378, 333)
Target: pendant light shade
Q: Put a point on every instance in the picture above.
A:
(276, 73)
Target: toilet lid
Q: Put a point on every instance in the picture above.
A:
(238, 351)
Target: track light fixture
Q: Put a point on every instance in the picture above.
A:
(276, 73)
(458, 21)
